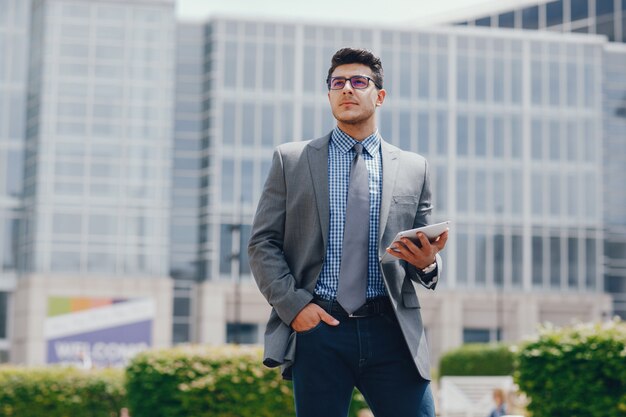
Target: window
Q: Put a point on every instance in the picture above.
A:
(604, 7)
(229, 121)
(102, 225)
(63, 223)
(481, 259)
(226, 248)
(249, 65)
(572, 263)
(245, 333)
(517, 258)
(485, 21)
(9, 249)
(462, 139)
(462, 77)
(462, 254)
(269, 66)
(579, 9)
(248, 124)
(480, 335)
(506, 20)
(230, 64)
(65, 261)
(498, 260)
(555, 262)
(4, 307)
(554, 13)
(537, 261)
(14, 173)
(530, 17)
(590, 261)
(181, 333)
(480, 138)
(462, 180)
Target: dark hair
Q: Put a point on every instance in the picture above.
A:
(358, 56)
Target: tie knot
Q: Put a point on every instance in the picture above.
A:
(358, 148)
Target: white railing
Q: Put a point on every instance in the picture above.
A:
(470, 396)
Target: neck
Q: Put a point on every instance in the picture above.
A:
(357, 132)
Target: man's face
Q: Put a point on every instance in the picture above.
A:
(353, 106)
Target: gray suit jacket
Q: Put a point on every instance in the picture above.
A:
(290, 234)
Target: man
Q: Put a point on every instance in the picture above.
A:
(341, 318)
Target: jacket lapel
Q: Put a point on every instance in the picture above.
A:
(390, 171)
(317, 154)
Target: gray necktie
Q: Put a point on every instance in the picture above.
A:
(355, 248)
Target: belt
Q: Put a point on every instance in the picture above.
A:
(373, 307)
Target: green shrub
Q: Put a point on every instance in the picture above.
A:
(575, 371)
(60, 392)
(200, 381)
(477, 359)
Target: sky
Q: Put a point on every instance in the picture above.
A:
(341, 11)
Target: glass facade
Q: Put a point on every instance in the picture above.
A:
(186, 170)
(608, 18)
(99, 141)
(615, 172)
(504, 136)
(14, 44)
(603, 17)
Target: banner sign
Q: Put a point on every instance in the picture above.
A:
(97, 332)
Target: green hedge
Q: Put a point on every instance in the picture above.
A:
(60, 392)
(477, 359)
(575, 371)
(201, 381)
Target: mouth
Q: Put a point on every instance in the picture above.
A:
(348, 103)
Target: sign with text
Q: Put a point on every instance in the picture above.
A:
(97, 332)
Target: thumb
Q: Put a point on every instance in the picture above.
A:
(328, 319)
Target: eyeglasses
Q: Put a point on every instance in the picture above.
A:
(360, 82)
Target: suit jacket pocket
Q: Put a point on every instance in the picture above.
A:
(409, 299)
(405, 199)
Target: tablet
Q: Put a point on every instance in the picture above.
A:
(431, 231)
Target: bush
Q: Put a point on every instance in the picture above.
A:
(60, 392)
(575, 371)
(477, 359)
(200, 381)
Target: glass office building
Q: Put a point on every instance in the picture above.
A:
(608, 18)
(14, 44)
(602, 17)
(511, 124)
(94, 145)
(98, 142)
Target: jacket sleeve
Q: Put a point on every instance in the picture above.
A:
(265, 248)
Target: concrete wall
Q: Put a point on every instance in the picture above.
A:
(30, 301)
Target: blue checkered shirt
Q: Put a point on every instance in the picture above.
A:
(340, 156)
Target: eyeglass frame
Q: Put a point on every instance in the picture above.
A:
(329, 79)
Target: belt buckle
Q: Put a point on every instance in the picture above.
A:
(365, 313)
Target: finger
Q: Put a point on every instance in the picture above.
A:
(328, 319)
(440, 243)
(424, 242)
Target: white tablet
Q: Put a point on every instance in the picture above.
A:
(431, 231)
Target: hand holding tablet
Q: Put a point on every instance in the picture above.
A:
(431, 231)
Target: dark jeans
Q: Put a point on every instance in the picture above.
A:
(368, 353)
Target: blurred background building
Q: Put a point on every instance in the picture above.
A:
(133, 150)
(608, 18)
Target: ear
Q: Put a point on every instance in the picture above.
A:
(380, 98)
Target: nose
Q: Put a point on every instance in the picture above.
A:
(345, 86)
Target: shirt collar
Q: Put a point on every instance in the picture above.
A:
(345, 142)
